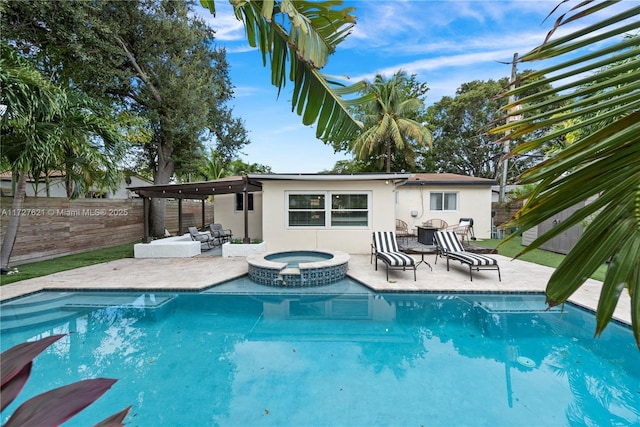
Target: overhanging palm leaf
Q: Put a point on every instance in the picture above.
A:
(315, 29)
(602, 167)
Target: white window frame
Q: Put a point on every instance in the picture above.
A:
(327, 209)
(443, 194)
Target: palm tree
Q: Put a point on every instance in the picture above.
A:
(90, 147)
(388, 123)
(303, 34)
(602, 163)
(47, 128)
(30, 101)
(211, 167)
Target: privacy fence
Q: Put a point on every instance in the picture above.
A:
(54, 227)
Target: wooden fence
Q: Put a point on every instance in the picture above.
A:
(503, 212)
(54, 227)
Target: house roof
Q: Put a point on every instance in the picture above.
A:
(250, 183)
(7, 175)
(445, 179)
(397, 177)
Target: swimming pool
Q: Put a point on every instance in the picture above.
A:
(244, 354)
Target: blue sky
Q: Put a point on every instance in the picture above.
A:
(445, 43)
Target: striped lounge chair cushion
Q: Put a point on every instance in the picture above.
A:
(449, 242)
(385, 241)
(395, 258)
(472, 259)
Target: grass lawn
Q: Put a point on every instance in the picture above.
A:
(536, 256)
(43, 268)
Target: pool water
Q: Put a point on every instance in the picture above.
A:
(242, 354)
(294, 258)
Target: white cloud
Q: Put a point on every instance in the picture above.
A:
(227, 27)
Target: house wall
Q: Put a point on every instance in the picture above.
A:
(225, 214)
(473, 202)
(56, 188)
(122, 192)
(357, 240)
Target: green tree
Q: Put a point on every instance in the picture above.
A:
(152, 58)
(389, 125)
(238, 167)
(461, 145)
(42, 122)
(90, 149)
(603, 163)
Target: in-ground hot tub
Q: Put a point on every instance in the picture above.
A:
(298, 268)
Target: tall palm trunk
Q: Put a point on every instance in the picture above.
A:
(388, 156)
(14, 222)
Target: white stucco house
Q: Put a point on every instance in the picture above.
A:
(311, 211)
(326, 211)
(448, 197)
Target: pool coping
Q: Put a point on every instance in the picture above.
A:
(202, 272)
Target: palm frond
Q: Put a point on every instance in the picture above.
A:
(301, 35)
(602, 167)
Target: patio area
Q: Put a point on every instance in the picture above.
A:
(209, 269)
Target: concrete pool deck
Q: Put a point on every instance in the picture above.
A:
(204, 271)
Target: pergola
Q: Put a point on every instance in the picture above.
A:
(197, 191)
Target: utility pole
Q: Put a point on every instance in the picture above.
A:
(511, 118)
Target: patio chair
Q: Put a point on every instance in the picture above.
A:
(385, 248)
(220, 233)
(203, 238)
(449, 246)
(402, 230)
(462, 229)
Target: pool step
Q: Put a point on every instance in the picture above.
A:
(38, 319)
(31, 306)
(48, 308)
(288, 275)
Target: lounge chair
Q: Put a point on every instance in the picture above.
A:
(220, 233)
(203, 238)
(448, 245)
(385, 247)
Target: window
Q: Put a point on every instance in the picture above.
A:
(443, 201)
(328, 209)
(349, 210)
(240, 202)
(307, 210)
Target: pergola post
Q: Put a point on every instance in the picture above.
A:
(145, 213)
(203, 213)
(245, 205)
(179, 217)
